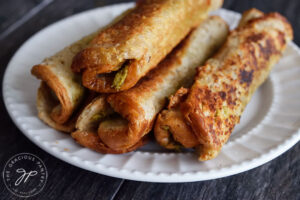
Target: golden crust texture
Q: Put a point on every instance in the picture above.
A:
(171, 130)
(61, 85)
(91, 140)
(65, 92)
(88, 122)
(226, 83)
(139, 105)
(140, 40)
(45, 105)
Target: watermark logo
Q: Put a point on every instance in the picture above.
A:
(25, 175)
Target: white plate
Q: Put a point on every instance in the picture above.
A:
(269, 126)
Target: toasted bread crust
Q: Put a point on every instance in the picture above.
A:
(226, 83)
(140, 104)
(143, 37)
(87, 124)
(171, 128)
(61, 115)
(45, 104)
(61, 83)
(92, 141)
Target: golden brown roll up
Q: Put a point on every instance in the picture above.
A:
(207, 113)
(61, 91)
(88, 122)
(125, 52)
(171, 131)
(124, 118)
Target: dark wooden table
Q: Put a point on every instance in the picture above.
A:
(278, 179)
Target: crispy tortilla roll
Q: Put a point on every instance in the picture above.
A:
(87, 125)
(207, 113)
(128, 116)
(125, 52)
(61, 91)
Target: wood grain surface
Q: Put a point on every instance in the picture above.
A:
(278, 179)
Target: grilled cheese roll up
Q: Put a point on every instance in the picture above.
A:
(87, 125)
(132, 113)
(61, 91)
(209, 111)
(125, 52)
